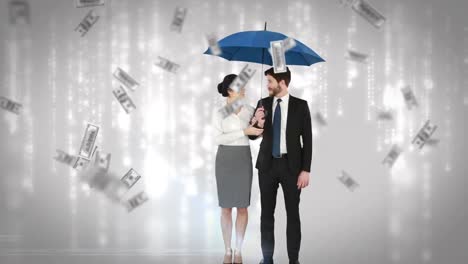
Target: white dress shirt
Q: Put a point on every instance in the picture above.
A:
(284, 116)
(230, 130)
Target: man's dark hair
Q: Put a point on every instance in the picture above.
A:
(286, 76)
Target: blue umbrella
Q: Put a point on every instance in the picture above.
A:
(252, 46)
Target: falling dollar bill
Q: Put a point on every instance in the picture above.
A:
(432, 142)
(178, 20)
(124, 100)
(278, 56)
(167, 64)
(369, 13)
(65, 158)
(356, 56)
(288, 43)
(81, 163)
(231, 108)
(125, 79)
(88, 21)
(130, 178)
(102, 161)
(385, 115)
(115, 189)
(102, 181)
(409, 97)
(365, 10)
(392, 156)
(88, 3)
(96, 176)
(94, 151)
(19, 11)
(348, 181)
(242, 79)
(424, 134)
(87, 144)
(320, 119)
(10, 105)
(136, 201)
(213, 43)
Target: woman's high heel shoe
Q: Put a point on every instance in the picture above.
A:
(228, 257)
(237, 257)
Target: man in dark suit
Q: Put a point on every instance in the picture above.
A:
(282, 160)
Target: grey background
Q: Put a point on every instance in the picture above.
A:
(415, 213)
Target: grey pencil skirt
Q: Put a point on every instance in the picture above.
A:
(233, 176)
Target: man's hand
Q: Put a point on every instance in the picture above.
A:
(303, 179)
(259, 117)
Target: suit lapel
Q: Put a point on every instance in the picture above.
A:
(291, 109)
(268, 107)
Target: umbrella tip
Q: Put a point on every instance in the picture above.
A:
(265, 26)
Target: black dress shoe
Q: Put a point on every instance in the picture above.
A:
(263, 262)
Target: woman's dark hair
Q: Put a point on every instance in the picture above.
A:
(223, 86)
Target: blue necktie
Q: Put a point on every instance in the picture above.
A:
(277, 130)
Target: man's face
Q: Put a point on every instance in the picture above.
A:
(273, 86)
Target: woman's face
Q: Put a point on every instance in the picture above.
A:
(240, 94)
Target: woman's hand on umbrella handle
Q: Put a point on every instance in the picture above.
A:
(253, 131)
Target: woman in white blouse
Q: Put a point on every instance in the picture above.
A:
(233, 166)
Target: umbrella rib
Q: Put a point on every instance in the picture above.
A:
(302, 54)
(234, 53)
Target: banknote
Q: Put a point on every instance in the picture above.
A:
(89, 139)
(19, 12)
(385, 115)
(125, 79)
(356, 56)
(243, 78)
(392, 156)
(409, 97)
(288, 43)
(346, 179)
(179, 18)
(87, 22)
(278, 56)
(231, 108)
(65, 158)
(213, 43)
(369, 13)
(366, 11)
(124, 99)
(130, 178)
(81, 163)
(320, 119)
(136, 201)
(88, 3)
(424, 134)
(10, 105)
(167, 64)
(102, 160)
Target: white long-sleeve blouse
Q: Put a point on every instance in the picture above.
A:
(230, 130)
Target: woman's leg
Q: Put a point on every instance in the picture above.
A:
(241, 226)
(226, 227)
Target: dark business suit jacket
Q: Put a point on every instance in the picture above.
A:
(298, 125)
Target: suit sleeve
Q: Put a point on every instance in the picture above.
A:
(307, 139)
(252, 137)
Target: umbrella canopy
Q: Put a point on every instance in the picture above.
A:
(252, 46)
